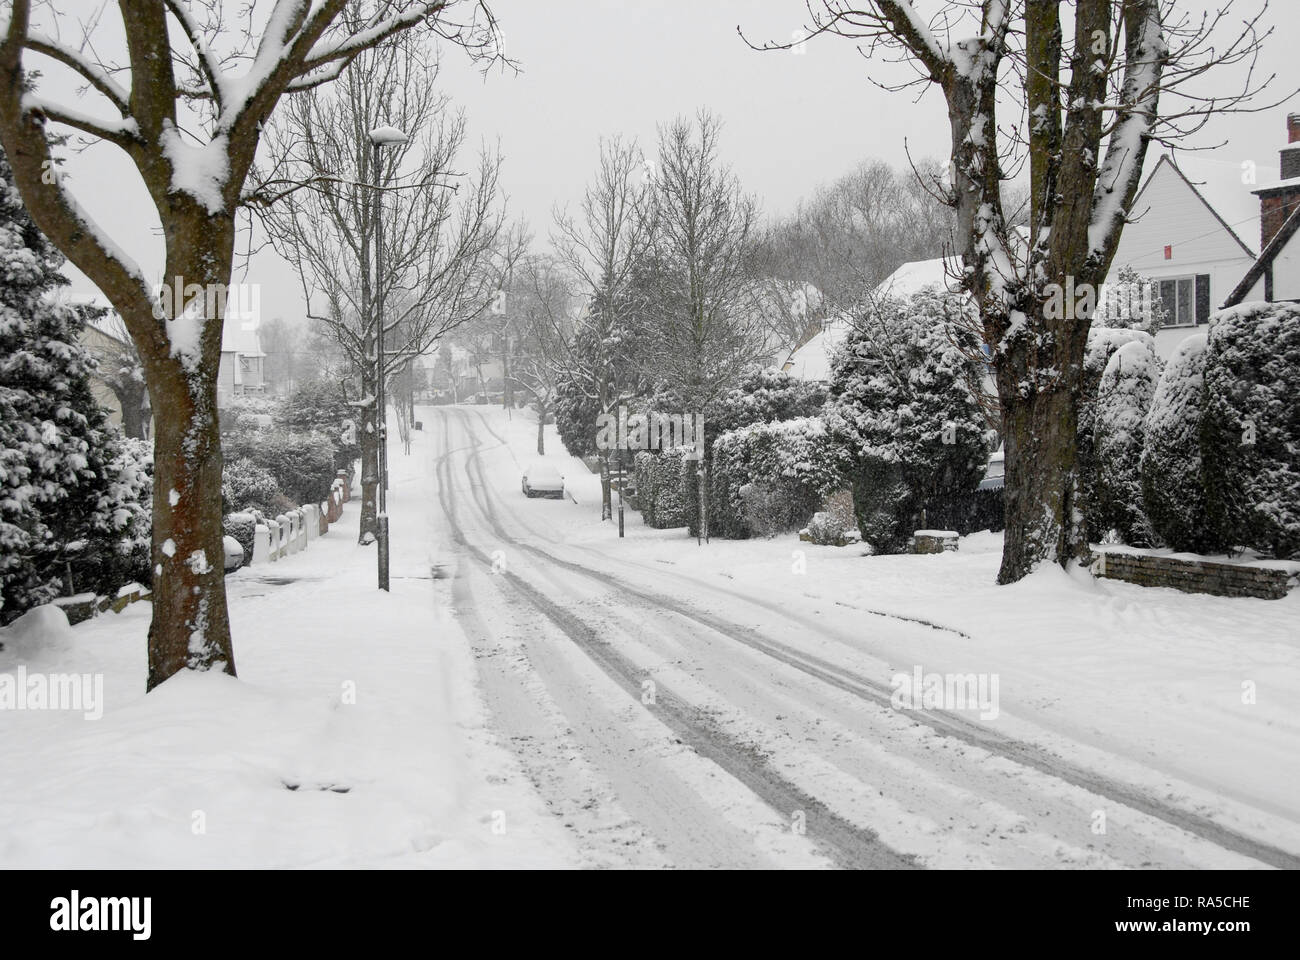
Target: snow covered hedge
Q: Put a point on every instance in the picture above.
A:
(1103, 344)
(765, 395)
(659, 490)
(903, 409)
(1123, 400)
(245, 485)
(1250, 434)
(1173, 486)
(301, 463)
(771, 477)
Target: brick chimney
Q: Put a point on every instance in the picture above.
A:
(1278, 202)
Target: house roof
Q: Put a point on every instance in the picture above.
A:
(812, 361)
(1289, 229)
(911, 278)
(241, 338)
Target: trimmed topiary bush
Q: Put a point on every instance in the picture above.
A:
(659, 491)
(1123, 401)
(1173, 484)
(1250, 431)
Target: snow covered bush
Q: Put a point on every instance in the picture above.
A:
(1132, 301)
(69, 495)
(1173, 484)
(903, 411)
(765, 395)
(659, 490)
(1123, 400)
(828, 528)
(121, 540)
(245, 485)
(242, 527)
(1250, 433)
(771, 477)
(301, 463)
(1103, 342)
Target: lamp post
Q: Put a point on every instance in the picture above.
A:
(381, 137)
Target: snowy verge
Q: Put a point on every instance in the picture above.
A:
(354, 735)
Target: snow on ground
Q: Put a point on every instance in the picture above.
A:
(341, 688)
(1195, 698)
(501, 718)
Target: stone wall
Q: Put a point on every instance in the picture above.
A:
(1193, 576)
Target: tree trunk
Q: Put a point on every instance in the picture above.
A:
(541, 429)
(606, 497)
(369, 437)
(132, 402)
(1044, 512)
(702, 488)
(190, 626)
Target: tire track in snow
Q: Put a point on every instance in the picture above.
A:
(844, 843)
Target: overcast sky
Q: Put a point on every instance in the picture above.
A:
(599, 67)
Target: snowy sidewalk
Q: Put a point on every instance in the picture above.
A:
(354, 735)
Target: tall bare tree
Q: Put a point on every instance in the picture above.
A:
(439, 227)
(546, 323)
(705, 316)
(603, 246)
(852, 233)
(1090, 100)
(187, 106)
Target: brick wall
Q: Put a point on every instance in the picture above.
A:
(1193, 576)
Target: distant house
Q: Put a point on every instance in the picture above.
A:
(1275, 276)
(243, 364)
(101, 343)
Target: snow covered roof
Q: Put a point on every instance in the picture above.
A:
(911, 278)
(812, 361)
(237, 337)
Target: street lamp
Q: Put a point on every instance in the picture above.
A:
(381, 137)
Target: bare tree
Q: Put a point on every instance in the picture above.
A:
(188, 106)
(439, 227)
(286, 359)
(706, 322)
(1089, 106)
(603, 247)
(542, 302)
(851, 234)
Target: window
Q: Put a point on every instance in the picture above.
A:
(1186, 300)
(245, 364)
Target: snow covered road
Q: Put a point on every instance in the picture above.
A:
(669, 719)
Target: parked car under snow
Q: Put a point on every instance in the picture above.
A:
(542, 479)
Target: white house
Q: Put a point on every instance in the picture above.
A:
(242, 371)
(1196, 231)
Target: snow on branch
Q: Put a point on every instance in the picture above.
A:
(1125, 152)
(95, 75)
